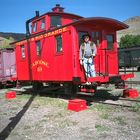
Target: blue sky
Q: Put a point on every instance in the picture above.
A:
(14, 13)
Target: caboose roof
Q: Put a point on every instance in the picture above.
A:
(92, 22)
(62, 14)
(103, 22)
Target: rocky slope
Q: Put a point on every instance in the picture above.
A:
(134, 27)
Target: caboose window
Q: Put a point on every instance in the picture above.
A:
(96, 37)
(35, 27)
(56, 21)
(110, 41)
(38, 47)
(95, 34)
(42, 24)
(23, 51)
(59, 43)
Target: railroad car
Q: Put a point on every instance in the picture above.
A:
(129, 57)
(50, 51)
(7, 67)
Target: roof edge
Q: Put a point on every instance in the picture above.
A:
(117, 22)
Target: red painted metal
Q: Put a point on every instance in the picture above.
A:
(77, 105)
(105, 79)
(131, 93)
(10, 95)
(14, 78)
(87, 90)
(64, 66)
(101, 79)
(127, 76)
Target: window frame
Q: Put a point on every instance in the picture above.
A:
(42, 24)
(51, 21)
(38, 25)
(34, 28)
(113, 39)
(38, 51)
(96, 37)
(23, 53)
(56, 44)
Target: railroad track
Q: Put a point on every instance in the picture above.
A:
(91, 99)
(132, 82)
(117, 101)
(128, 99)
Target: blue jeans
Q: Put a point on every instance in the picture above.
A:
(89, 67)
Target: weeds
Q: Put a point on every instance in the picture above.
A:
(57, 115)
(135, 108)
(53, 116)
(101, 128)
(41, 101)
(104, 110)
(105, 116)
(24, 96)
(120, 120)
(26, 127)
(67, 123)
(105, 113)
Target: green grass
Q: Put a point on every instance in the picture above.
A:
(54, 116)
(105, 115)
(135, 108)
(44, 101)
(67, 123)
(101, 128)
(56, 102)
(27, 127)
(104, 110)
(23, 96)
(2, 96)
(120, 120)
(59, 118)
(60, 114)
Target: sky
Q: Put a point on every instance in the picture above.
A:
(14, 13)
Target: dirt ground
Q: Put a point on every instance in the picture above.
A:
(45, 117)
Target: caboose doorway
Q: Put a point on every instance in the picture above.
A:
(96, 37)
(106, 60)
(80, 35)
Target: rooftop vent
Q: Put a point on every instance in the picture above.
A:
(57, 8)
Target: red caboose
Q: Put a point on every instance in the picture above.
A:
(50, 51)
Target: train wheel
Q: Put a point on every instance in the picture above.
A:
(70, 89)
(120, 85)
(37, 86)
(1, 86)
(89, 88)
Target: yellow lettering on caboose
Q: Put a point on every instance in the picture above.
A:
(55, 32)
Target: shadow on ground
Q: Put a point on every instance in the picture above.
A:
(15, 120)
(101, 95)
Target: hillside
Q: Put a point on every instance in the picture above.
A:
(134, 27)
(15, 36)
(6, 38)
